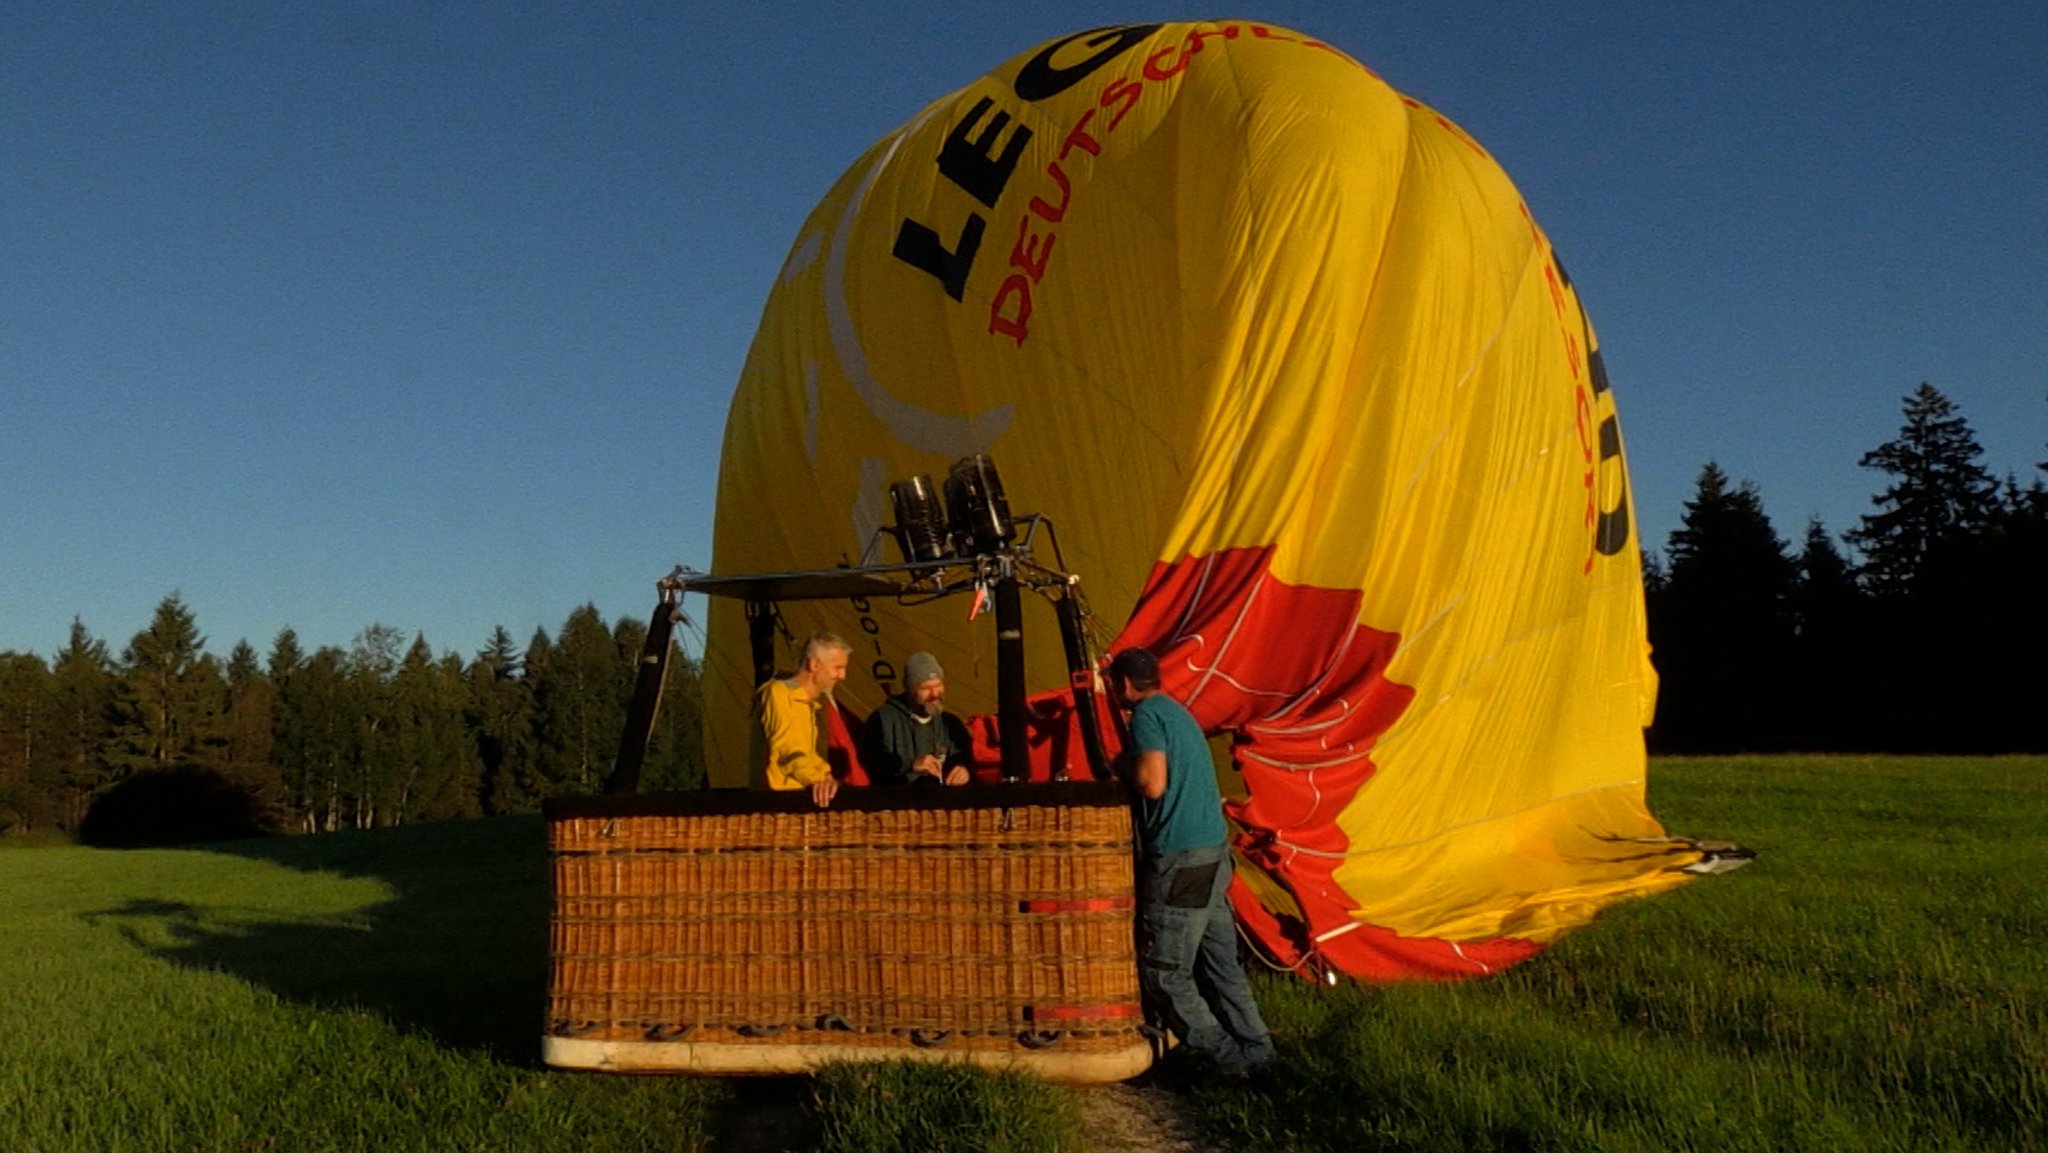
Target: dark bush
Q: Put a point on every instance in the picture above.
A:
(177, 806)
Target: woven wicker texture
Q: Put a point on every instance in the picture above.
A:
(967, 929)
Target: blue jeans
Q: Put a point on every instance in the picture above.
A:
(1187, 961)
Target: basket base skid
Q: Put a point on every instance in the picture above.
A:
(715, 1059)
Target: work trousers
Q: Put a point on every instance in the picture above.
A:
(1188, 965)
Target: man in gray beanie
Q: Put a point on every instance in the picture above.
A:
(912, 739)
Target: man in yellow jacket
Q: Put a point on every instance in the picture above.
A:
(790, 722)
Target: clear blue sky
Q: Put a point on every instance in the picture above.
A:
(427, 314)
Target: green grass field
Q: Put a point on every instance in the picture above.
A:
(1874, 981)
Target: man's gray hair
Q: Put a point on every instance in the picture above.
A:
(822, 642)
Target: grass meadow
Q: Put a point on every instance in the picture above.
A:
(1875, 981)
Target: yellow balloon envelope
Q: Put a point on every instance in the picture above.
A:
(1314, 411)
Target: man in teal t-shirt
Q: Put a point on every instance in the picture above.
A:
(1185, 926)
(1188, 812)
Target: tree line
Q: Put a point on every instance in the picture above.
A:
(380, 733)
(1927, 635)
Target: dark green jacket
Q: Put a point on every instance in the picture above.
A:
(895, 737)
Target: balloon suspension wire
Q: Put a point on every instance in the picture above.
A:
(692, 629)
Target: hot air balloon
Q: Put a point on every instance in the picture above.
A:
(1319, 415)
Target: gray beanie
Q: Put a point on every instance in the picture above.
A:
(920, 667)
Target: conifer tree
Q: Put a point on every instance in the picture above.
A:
(287, 732)
(326, 721)
(24, 719)
(1655, 579)
(1979, 619)
(172, 695)
(458, 791)
(501, 724)
(82, 696)
(1830, 648)
(580, 698)
(250, 730)
(536, 669)
(286, 657)
(1721, 629)
(1956, 608)
(434, 750)
(1939, 490)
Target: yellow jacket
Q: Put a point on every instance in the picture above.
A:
(789, 737)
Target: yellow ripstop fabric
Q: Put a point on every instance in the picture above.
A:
(1210, 287)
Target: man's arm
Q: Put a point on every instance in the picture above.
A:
(959, 750)
(1148, 774)
(1145, 762)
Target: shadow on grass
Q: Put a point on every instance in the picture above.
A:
(776, 1114)
(452, 945)
(458, 952)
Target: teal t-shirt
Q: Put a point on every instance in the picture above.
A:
(1189, 815)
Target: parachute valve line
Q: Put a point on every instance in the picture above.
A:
(1323, 972)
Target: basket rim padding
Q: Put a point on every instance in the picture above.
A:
(877, 798)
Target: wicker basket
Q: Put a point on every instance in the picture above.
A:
(745, 932)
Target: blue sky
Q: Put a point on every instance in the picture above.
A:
(427, 314)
